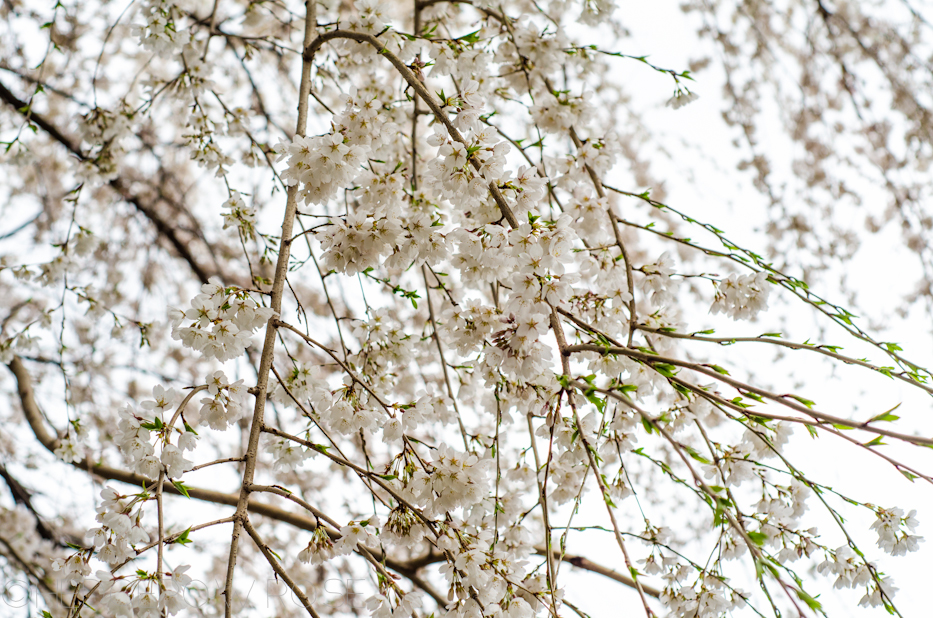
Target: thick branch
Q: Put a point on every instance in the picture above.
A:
(588, 565)
(36, 423)
(23, 496)
(120, 186)
(268, 349)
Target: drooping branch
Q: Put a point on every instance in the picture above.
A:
(406, 568)
(119, 185)
(421, 91)
(787, 400)
(590, 450)
(825, 350)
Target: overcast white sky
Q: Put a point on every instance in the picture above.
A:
(701, 180)
(699, 171)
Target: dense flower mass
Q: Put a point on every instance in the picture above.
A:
(222, 321)
(742, 297)
(386, 294)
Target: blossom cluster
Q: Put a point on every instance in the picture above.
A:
(160, 33)
(137, 430)
(742, 297)
(120, 528)
(709, 597)
(534, 325)
(321, 165)
(104, 131)
(222, 321)
(852, 572)
(895, 531)
(322, 547)
(240, 215)
(114, 542)
(454, 480)
(223, 406)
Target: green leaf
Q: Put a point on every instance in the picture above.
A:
(182, 489)
(596, 401)
(886, 416)
(157, 422)
(876, 442)
(696, 455)
(718, 369)
(608, 500)
(665, 369)
(647, 425)
(758, 538)
(765, 565)
(811, 602)
(472, 37)
(719, 516)
(738, 401)
(802, 400)
(680, 388)
(183, 538)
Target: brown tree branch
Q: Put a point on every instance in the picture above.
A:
(118, 185)
(787, 400)
(406, 568)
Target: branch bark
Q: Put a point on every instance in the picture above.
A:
(406, 568)
(119, 185)
(240, 519)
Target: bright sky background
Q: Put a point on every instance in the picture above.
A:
(697, 161)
